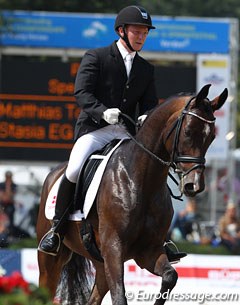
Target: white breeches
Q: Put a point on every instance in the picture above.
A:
(89, 143)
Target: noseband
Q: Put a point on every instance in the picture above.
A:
(176, 158)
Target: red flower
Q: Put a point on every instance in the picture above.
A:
(4, 285)
(10, 283)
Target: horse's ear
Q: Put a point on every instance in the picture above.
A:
(203, 93)
(219, 100)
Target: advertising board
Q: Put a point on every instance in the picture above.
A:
(84, 31)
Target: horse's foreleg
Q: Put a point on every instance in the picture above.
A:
(162, 267)
(169, 278)
(114, 269)
(100, 287)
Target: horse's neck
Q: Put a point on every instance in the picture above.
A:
(151, 137)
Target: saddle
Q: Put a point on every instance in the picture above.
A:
(87, 174)
(84, 180)
(87, 184)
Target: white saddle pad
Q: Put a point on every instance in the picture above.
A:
(91, 192)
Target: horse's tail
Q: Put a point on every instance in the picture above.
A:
(76, 281)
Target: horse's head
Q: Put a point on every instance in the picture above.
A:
(190, 136)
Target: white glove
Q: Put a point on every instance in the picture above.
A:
(111, 115)
(141, 119)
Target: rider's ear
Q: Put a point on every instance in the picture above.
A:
(120, 31)
(219, 100)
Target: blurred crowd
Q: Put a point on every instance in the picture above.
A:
(188, 225)
(9, 231)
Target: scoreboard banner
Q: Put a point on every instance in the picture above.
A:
(38, 113)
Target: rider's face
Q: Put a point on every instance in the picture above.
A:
(137, 35)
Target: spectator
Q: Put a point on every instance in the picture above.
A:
(4, 229)
(184, 219)
(229, 229)
(7, 194)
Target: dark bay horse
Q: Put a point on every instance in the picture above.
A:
(133, 208)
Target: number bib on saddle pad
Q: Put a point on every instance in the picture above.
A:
(89, 188)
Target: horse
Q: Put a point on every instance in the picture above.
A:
(133, 208)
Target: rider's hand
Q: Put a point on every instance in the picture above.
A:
(141, 119)
(111, 115)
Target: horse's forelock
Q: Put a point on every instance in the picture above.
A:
(203, 105)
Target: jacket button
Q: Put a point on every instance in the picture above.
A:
(127, 86)
(124, 100)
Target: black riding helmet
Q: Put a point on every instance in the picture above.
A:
(136, 15)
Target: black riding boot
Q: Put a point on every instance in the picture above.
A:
(173, 256)
(51, 241)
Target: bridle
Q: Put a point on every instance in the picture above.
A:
(176, 158)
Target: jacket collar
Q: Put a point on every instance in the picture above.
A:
(124, 52)
(119, 61)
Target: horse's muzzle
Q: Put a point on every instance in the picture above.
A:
(192, 183)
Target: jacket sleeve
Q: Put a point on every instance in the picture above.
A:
(85, 86)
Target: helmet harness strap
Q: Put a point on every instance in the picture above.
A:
(125, 38)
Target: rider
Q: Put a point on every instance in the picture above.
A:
(104, 88)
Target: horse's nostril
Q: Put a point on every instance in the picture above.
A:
(189, 189)
(189, 186)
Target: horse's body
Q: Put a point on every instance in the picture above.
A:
(133, 208)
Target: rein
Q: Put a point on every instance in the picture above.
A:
(166, 163)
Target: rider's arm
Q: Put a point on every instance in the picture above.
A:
(86, 84)
(149, 99)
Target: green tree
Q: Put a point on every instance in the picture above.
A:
(210, 8)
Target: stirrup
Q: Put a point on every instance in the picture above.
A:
(181, 254)
(55, 252)
(170, 242)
